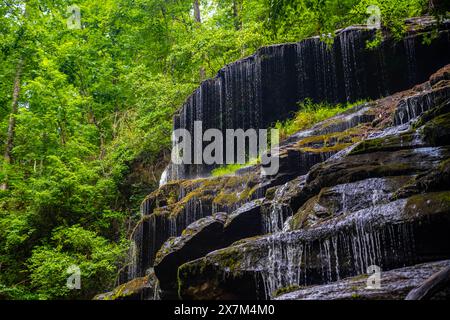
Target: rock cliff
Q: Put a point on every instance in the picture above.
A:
(370, 186)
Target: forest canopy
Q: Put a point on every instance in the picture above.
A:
(86, 115)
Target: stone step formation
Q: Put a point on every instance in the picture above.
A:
(370, 186)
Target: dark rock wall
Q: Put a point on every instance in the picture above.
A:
(257, 91)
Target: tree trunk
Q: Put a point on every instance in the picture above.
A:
(198, 19)
(93, 120)
(197, 15)
(237, 6)
(12, 118)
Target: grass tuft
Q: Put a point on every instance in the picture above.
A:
(309, 114)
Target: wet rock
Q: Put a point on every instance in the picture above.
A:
(442, 74)
(245, 93)
(199, 238)
(434, 180)
(414, 106)
(368, 186)
(203, 236)
(178, 204)
(389, 235)
(245, 222)
(395, 285)
(363, 166)
(144, 288)
(350, 197)
(164, 196)
(437, 131)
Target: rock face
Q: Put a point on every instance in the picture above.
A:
(169, 210)
(203, 236)
(367, 187)
(380, 201)
(199, 238)
(394, 285)
(245, 93)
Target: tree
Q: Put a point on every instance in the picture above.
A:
(15, 92)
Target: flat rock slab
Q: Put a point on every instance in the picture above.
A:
(394, 285)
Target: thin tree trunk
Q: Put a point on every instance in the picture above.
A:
(198, 19)
(236, 14)
(94, 121)
(197, 15)
(12, 118)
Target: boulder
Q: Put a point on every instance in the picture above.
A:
(143, 288)
(199, 238)
(389, 235)
(394, 285)
(203, 236)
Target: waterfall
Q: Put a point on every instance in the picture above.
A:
(410, 50)
(274, 216)
(245, 93)
(293, 263)
(350, 43)
(316, 67)
(133, 258)
(336, 250)
(164, 177)
(412, 107)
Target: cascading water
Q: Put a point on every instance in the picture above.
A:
(336, 250)
(348, 228)
(245, 93)
(410, 50)
(351, 42)
(273, 218)
(317, 74)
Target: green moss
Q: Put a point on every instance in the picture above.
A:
(226, 199)
(384, 144)
(335, 148)
(300, 219)
(356, 296)
(165, 249)
(127, 289)
(281, 291)
(351, 135)
(224, 191)
(437, 131)
(428, 203)
(270, 193)
(360, 277)
(245, 240)
(431, 114)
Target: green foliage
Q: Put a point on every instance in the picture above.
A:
(309, 114)
(393, 13)
(95, 257)
(231, 169)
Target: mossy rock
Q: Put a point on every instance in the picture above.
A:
(284, 290)
(428, 204)
(390, 143)
(437, 131)
(136, 289)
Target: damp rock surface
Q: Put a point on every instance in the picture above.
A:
(393, 285)
(244, 94)
(349, 212)
(369, 186)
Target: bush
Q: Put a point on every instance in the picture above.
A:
(97, 259)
